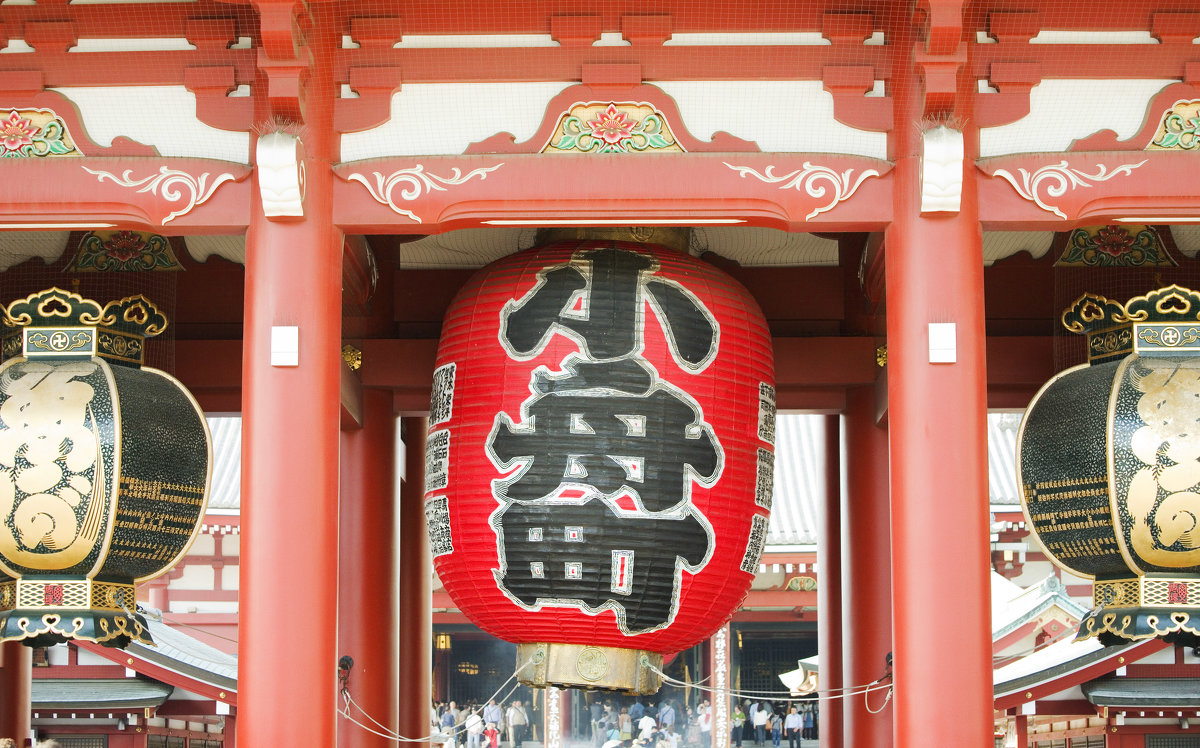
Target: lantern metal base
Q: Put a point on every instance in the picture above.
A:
(45, 611)
(586, 666)
(1143, 608)
(44, 628)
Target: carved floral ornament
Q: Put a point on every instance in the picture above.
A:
(1115, 245)
(123, 251)
(176, 186)
(413, 182)
(612, 127)
(1179, 129)
(1046, 184)
(35, 133)
(816, 181)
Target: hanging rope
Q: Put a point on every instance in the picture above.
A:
(390, 734)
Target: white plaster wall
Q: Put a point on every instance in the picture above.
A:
(1064, 110)
(203, 545)
(195, 577)
(58, 654)
(192, 606)
(88, 658)
(445, 118)
(784, 116)
(161, 116)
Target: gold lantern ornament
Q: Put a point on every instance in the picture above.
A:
(1109, 460)
(104, 468)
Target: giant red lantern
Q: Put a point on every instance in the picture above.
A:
(600, 456)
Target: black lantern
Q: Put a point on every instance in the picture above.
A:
(1109, 459)
(104, 468)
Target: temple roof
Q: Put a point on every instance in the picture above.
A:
(1013, 606)
(98, 693)
(1172, 692)
(178, 659)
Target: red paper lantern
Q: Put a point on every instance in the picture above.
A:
(600, 456)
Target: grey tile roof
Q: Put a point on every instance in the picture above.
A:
(182, 654)
(798, 480)
(225, 491)
(98, 693)
(1172, 692)
(1057, 660)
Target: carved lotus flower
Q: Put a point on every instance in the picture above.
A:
(16, 132)
(611, 126)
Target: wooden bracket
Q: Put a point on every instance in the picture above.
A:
(284, 57)
(849, 85)
(942, 54)
(211, 85)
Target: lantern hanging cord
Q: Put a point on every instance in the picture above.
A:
(396, 737)
(349, 701)
(887, 697)
(830, 693)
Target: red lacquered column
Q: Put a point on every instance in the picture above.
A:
(866, 570)
(287, 665)
(829, 593)
(367, 627)
(938, 442)
(416, 573)
(16, 687)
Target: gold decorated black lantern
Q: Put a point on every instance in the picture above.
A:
(1109, 460)
(104, 468)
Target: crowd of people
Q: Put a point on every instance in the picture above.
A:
(668, 725)
(625, 724)
(11, 743)
(485, 726)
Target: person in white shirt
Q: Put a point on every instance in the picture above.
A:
(760, 725)
(474, 727)
(518, 723)
(646, 727)
(792, 725)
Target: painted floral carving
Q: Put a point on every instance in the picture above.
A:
(414, 182)
(124, 251)
(32, 133)
(17, 132)
(176, 186)
(1115, 246)
(611, 127)
(1180, 128)
(1055, 180)
(815, 180)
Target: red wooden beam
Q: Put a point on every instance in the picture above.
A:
(811, 373)
(529, 189)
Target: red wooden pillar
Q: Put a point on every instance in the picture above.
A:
(287, 666)
(829, 593)
(866, 570)
(16, 686)
(416, 573)
(367, 629)
(938, 443)
(1022, 726)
